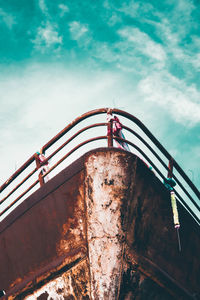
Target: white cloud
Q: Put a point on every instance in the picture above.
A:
(114, 19)
(154, 50)
(47, 36)
(171, 43)
(196, 41)
(8, 19)
(185, 7)
(165, 30)
(172, 30)
(171, 94)
(77, 30)
(80, 33)
(196, 61)
(105, 52)
(130, 9)
(63, 9)
(43, 7)
(180, 19)
(141, 42)
(134, 9)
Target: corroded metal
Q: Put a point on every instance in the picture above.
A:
(110, 140)
(101, 229)
(45, 234)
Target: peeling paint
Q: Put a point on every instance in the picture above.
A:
(96, 236)
(107, 185)
(73, 284)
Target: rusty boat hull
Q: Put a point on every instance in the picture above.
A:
(100, 229)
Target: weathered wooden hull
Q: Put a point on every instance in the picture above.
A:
(101, 229)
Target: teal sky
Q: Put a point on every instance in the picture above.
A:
(59, 59)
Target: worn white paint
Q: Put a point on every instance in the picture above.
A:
(55, 289)
(106, 186)
(65, 286)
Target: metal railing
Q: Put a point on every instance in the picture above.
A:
(170, 165)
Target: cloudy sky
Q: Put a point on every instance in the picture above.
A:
(61, 58)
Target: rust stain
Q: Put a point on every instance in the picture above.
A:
(73, 232)
(96, 237)
(17, 281)
(50, 235)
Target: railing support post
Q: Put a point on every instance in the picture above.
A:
(38, 165)
(110, 128)
(173, 203)
(170, 166)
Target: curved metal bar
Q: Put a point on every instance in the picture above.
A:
(19, 197)
(164, 165)
(73, 137)
(184, 204)
(93, 113)
(160, 147)
(147, 145)
(52, 141)
(74, 149)
(50, 156)
(72, 124)
(53, 167)
(186, 192)
(17, 172)
(17, 186)
(160, 174)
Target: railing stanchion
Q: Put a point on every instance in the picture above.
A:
(110, 128)
(110, 134)
(173, 202)
(38, 165)
(170, 166)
